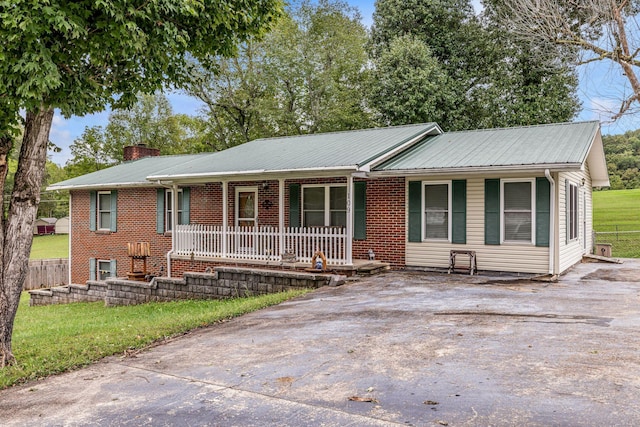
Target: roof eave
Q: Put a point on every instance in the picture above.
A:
(380, 158)
(480, 170)
(102, 186)
(226, 176)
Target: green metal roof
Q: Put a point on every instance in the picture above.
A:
(561, 146)
(326, 151)
(128, 174)
(543, 145)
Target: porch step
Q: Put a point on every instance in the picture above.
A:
(372, 268)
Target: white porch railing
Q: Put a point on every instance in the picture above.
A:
(261, 243)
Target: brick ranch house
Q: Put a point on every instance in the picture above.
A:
(519, 197)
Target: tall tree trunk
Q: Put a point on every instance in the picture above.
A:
(17, 229)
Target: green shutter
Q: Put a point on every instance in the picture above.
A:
(93, 215)
(543, 211)
(92, 269)
(360, 210)
(459, 206)
(415, 211)
(294, 205)
(491, 211)
(186, 205)
(113, 271)
(160, 210)
(114, 210)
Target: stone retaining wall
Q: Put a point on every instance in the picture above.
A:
(224, 282)
(91, 292)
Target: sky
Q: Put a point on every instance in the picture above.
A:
(601, 84)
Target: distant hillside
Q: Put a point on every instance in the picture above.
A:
(623, 159)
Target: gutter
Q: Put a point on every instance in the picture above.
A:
(251, 173)
(552, 227)
(566, 167)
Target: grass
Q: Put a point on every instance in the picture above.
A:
(52, 339)
(50, 246)
(618, 211)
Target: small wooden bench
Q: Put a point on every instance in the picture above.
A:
(473, 265)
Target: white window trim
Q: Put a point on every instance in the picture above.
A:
(576, 217)
(533, 211)
(99, 210)
(327, 201)
(237, 204)
(424, 210)
(99, 271)
(168, 206)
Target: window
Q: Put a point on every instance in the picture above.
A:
(169, 208)
(437, 210)
(324, 206)
(572, 207)
(104, 269)
(104, 210)
(518, 207)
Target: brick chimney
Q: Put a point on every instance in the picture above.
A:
(135, 152)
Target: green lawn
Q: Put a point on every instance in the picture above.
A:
(50, 246)
(57, 338)
(615, 213)
(616, 209)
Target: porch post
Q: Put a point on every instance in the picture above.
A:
(280, 216)
(349, 239)
(225, 214)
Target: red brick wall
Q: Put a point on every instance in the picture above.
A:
(385, 222)
(137, 222)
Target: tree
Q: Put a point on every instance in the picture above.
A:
(306, 76)
(592, 30)
(150, 121)
(316, 62)
(78, 56)
(492, 78)
(90, 153)
(408, 84)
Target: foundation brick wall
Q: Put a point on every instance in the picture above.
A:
(386, 232)
(137, 223)
(224, 282)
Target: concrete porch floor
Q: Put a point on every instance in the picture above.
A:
(361, 267)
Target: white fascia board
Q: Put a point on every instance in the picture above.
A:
(386, 156)
(106, 186)
(483, 170)
(253, 174)
(597, 162)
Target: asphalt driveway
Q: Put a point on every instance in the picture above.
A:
(396, 349)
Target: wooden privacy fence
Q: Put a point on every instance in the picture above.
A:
(45, 273)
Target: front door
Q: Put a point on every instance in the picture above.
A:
(246, 217)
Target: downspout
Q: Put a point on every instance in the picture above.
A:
(172, 233)
(552, 221)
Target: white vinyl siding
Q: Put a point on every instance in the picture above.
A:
(571, 251)
(506, 257)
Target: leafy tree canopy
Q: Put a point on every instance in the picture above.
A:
(492, 77)
(79, 56)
